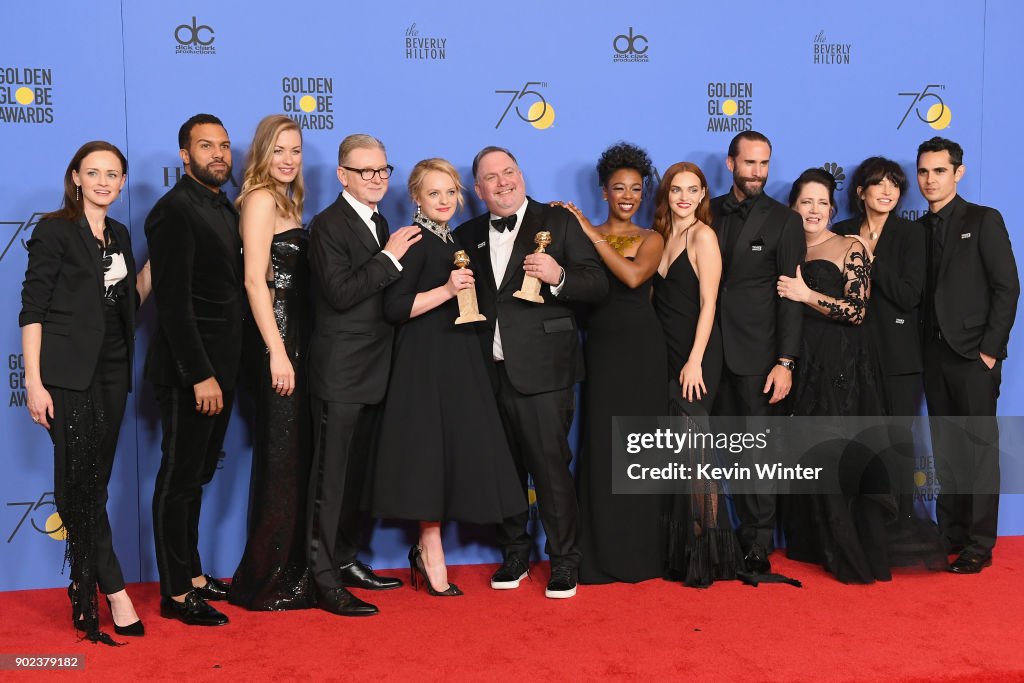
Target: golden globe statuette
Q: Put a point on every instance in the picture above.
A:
(469, 312)
(531, 285)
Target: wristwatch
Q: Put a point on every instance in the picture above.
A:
(787, 363)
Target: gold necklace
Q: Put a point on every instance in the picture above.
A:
(622, 242)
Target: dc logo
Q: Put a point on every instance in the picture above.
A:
(625, 44)
(193, 34)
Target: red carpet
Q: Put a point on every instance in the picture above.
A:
(920, 627)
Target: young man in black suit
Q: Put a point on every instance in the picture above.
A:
(969, 307)
(193, 359)
(760, 240)
(352, 257)
(535, 349)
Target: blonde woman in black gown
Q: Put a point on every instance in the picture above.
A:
(273, 574)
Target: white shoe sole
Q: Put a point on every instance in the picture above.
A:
(559, 595)
(508, 585)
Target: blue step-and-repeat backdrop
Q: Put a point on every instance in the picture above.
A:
(830, 83)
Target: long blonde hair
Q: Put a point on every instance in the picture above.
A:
(257, 168)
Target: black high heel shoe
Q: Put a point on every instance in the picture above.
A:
(87, 621)
(133, 629)
(416, 568)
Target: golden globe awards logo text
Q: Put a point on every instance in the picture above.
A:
(730, 107)
(309, 101)
(26, 95)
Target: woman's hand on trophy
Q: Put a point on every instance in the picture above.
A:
(461, 278)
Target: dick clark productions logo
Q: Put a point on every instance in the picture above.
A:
(194, 39)
(630, 47)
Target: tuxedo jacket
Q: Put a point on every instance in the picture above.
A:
(63, 290)
(196, 265)
(977, 287)
(350, 350)
(757, 326)
(897, 283)
(540, 342)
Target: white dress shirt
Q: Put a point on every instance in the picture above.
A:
(501, 243)
(366, 213)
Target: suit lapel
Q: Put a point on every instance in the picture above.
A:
(751, 227)
(523, 246)
(480, 253)
(92, 251)
(357, 226)
(210, 216)
(888, 238)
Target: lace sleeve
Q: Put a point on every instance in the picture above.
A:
(856, 290)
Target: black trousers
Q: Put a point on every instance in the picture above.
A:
(110, 389)
(537, 427)
(904, 394)
(966, 462)
(743, 396)
(343, 437)
(191, 446)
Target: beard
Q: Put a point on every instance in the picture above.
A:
(211, 178)
(750, 187)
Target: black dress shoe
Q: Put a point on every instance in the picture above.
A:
(757, 561)
(970, 562)
(510, 573)
(215, 589)
(562, 583)
(193, 611)
(358, 575)
(340, 601)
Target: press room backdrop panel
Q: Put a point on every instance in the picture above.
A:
(830, 84)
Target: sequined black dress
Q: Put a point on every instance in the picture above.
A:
(273, 574)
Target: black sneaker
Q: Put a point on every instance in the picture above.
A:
(562, 583)
(509, 574)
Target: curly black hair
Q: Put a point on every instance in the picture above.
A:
(623, 155)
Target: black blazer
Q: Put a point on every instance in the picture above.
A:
(977, 287)
(757, 326)
(897, 282)
(540, 341)
(64, 290)
(195, 259)
(350, 351)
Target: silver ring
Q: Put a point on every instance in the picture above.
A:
(35, 419)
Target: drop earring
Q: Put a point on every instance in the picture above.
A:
(419, 214)
(78, 193)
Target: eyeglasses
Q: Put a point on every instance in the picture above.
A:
(368, 173)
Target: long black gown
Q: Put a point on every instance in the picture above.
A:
(619, 535)
(839, 375)
(272, 574)
(700, 543)
(442, 453)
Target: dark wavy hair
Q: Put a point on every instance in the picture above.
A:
(872, 171)
(623, 155)
(814, 175)
(71, 206)
(663, 213)
(937, 144)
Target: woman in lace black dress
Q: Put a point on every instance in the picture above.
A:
(442, 453)
(701, 546)
(619, 535)
(77, 339)
(838, 375)
(272, 574)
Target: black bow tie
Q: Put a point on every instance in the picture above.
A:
(732, 205)
(503, 224)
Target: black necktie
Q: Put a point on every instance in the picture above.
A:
(382, 228)
(935, 236)
(503, 224)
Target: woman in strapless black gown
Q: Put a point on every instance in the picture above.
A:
(273, 574)
(442, 453)
(701, 545)
(619, 535)
(838, 375)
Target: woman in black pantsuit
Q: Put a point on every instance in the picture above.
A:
(78, 319)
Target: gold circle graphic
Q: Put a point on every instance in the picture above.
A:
(307, 103)
(540, 117)
(24, 95)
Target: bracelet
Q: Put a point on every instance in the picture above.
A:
(599, 241)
